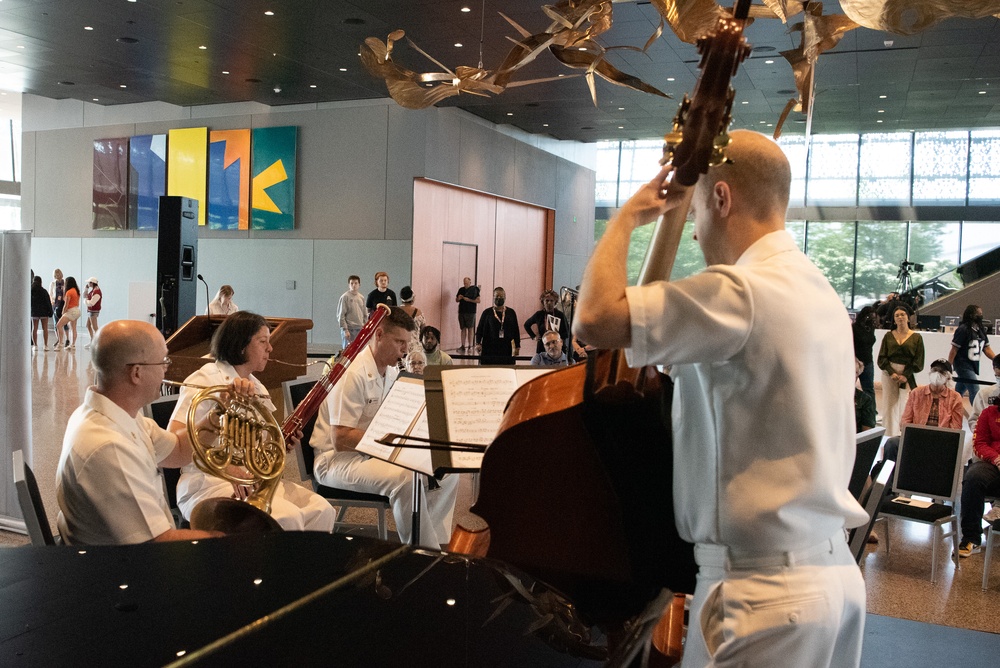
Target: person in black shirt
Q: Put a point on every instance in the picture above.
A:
(549, 318)
(467, 298)
(381, 294)
(498, 337)
(864, 341)
(967, 346)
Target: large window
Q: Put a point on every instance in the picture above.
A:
(830, 246)
(940, 167)
(984, 167)
(796, 151)
(881, 250)
(833, 171)
(884, 167)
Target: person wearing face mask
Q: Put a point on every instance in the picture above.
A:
(967, 346)
(982, 399)
(498, 338)
(933, 405)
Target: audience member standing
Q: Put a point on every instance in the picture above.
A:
(351, 312)
(498, 337)
(381, 294)
(547, 319)
(57, 289)
(41, 311)
(92, 297)
(967, 346)
(467, 298)
(71, 313)
(900, 357)
(223, 303)
(406, 294)
(864, 342)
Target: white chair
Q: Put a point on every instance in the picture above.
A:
(929, 464)
(871, 499)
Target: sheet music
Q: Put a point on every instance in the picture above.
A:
(401, 406)
(526, 373)
(416, 458)
(474, 402)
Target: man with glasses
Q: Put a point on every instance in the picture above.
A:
(107, 483)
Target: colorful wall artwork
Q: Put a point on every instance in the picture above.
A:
(229, 180)
(110, 205)
(273, 189)
(147, 180)
(187, 155)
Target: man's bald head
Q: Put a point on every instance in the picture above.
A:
(119, 343)
(758, 175)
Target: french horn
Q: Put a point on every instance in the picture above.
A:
(239, 441)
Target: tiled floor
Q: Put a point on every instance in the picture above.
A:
(899, 584)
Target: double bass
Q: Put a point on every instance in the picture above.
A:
(577, 485)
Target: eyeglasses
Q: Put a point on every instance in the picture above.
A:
(166, 362)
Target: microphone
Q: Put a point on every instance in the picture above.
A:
(208, 300)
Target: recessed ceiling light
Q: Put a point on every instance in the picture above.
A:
(769, 62)
(510, 113)
(881, 111)
(879, 120)
(545, 125)
(269, 13)
(458, 45)
(982, 92)
(881, 97)
(670, 79)
(312, 85)
(343, 69)
(122, 86)
(621, 108)
(621, 127)
(95, 99)
(763, 122)
(745, 102)
(466, 10)
(131, 0)
(581, 48)
(225, 71)
(770, 124)
(202, 47)
(562, 75)
(428, 84)
(88, 27)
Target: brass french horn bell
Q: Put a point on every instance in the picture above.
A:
(240, 442)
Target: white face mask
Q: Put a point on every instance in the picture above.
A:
(938, 379)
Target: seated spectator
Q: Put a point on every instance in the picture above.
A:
(430, 339)
(982, 479)
(415, 362)
(983, 398)
(933, 405)
(553, 355)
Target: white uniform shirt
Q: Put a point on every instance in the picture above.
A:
(216, 307)
(194, 485)
(763, 417)
(107, 484)
(354, 400)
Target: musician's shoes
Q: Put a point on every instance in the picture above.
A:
(967, 549)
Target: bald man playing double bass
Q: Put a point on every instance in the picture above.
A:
(761, 354)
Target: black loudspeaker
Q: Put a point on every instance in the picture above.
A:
(177, 263)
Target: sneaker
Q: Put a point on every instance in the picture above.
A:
(58, 346)
(73, 347)
(967, 549)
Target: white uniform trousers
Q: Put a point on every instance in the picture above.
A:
(361, 473)
(294, 507)
(798, 609)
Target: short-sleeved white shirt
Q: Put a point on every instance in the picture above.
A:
(762, 358)
(107, 483)
(354, 400)
(194, 485)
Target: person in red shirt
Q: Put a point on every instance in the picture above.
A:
(92, 297)
(982, 478)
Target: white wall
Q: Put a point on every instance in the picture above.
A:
(354, 208)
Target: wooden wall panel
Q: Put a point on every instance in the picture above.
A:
(511, 241)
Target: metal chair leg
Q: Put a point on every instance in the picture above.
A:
(988, 556)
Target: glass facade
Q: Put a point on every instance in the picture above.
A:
(861, 258)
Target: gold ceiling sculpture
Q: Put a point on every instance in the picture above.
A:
(820, 33)
(571, 38)
(689, 19)
(907, 17)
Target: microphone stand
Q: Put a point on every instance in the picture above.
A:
(208, 301)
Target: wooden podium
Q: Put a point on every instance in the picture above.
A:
(190, 344)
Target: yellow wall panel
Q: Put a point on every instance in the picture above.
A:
(187, 166)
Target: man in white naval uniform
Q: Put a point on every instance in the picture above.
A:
(760, 350)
